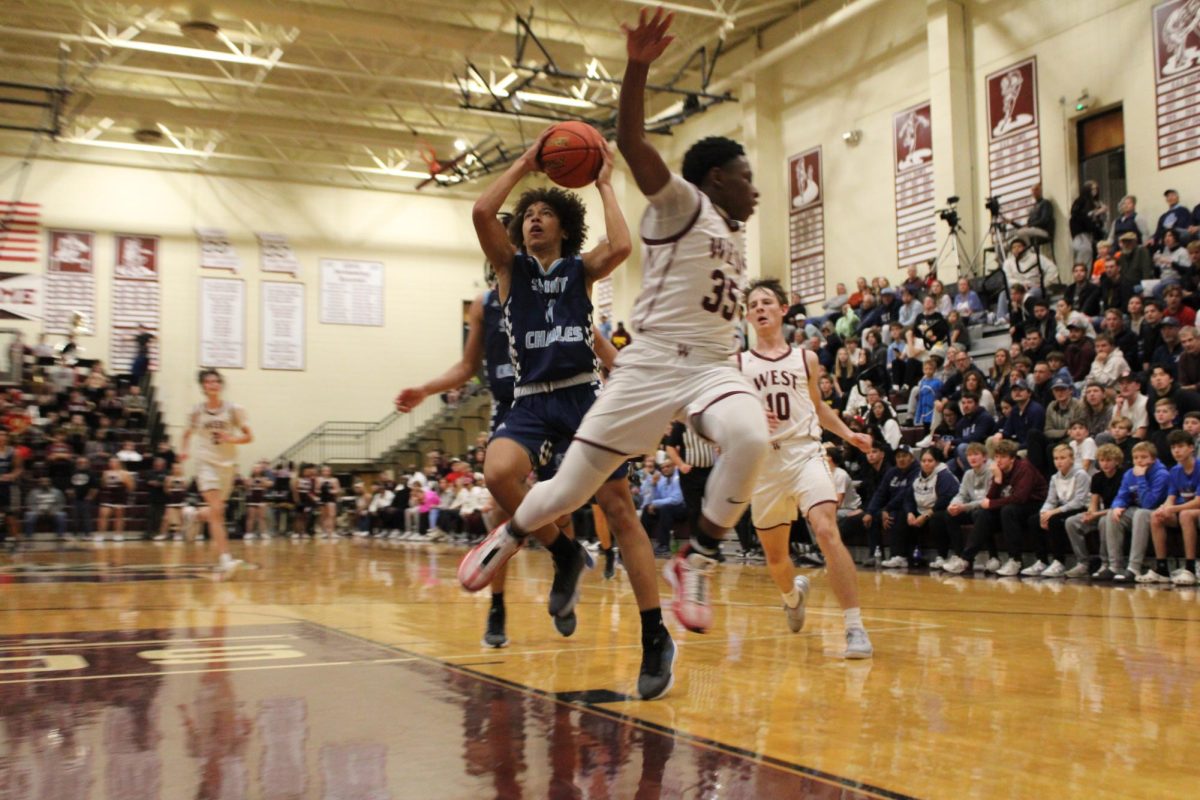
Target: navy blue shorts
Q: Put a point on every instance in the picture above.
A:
(544, 425)
(500, 409)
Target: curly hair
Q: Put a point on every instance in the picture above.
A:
(567, 207)
(771, 285)
(714, 151)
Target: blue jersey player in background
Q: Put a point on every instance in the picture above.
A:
(545, 283)
(487, 346)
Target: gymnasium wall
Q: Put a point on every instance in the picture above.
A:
(432, 264)
(860, 73)
(852, 76)
(426, 243)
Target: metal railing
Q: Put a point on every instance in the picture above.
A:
(361, 441)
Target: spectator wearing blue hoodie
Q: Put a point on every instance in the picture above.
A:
(1026, 415)
(928, 390)
(1143, 489)
(883, 314)
(932, 490)
(975, 425)
(887, 508)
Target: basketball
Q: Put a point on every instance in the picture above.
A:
(572, 154)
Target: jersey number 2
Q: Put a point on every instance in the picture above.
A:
(723, 300)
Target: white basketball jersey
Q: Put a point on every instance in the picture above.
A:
(782, 383)
(693, 281)
(206, 423)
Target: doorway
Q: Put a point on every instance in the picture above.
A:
(1101, 148)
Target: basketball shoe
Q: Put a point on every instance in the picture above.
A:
(858, 644)
(688, 573)
(568, 575)
(566, 623)
(495, 635)
(479, 565)
(795, 614)
(657, 673)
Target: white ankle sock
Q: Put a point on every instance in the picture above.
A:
(853, 618)
(792, 598)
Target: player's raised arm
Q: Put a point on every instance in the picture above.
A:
(600, 261)
(456, 375)
(643, 44)
(493, 236)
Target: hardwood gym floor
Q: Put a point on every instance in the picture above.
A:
(354, 670)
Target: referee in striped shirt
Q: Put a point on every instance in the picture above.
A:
(693, 455)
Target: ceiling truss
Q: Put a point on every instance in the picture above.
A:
(344, 92)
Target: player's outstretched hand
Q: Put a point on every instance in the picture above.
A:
(604, 177)
(645, 43)
(862, 441)
(408, 399)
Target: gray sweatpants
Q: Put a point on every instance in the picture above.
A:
(1077, 530)
(1137, 519)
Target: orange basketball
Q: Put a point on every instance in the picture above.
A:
(572, 156)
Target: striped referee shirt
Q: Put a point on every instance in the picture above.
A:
(693, 448)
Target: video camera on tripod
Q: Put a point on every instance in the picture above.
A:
(950, 212)
(972, 264)
(993, 206)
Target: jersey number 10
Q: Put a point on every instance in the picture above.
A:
(780, 405)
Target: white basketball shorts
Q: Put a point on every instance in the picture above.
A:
(652, 386)
(214, 476)
(795, 477)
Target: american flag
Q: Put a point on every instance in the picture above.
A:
(20, 231)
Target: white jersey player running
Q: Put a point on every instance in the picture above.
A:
(217, 427)
(678, 365)
(796, 474)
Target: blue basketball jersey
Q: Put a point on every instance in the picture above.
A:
(548, 317)
(496, 362)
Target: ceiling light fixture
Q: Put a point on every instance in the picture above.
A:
(175, 151)
(394, 173)
(502, 85)
(141, 148)
(555, 100)
(189, 52)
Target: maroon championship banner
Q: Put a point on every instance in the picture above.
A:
(1014, 144)
(70, 279)
(806, 225)
(135, 299)
(1176, 26)
(912, 149)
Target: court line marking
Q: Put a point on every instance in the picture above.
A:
(512, 651)
(164, 672)
(76, 646)
(695, 740)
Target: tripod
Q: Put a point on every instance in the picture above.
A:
(955, 238)
(974, 265)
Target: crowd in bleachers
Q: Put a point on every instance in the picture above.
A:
(75, 448)
(1076, 435)
(1094, 377)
